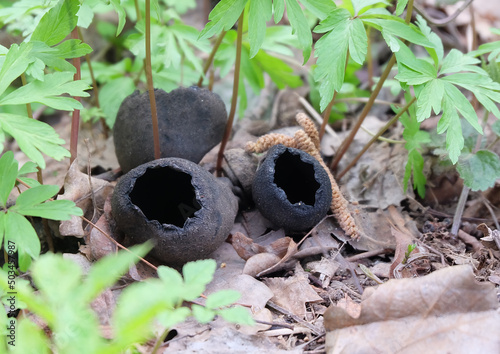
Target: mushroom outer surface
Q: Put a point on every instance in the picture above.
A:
(291, 189)
(180, 206)
(191, 121)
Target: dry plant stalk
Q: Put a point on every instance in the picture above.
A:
(307, 140)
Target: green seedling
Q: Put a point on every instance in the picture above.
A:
(64, 305)
(408, 252)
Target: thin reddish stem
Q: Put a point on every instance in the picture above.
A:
(234, 100)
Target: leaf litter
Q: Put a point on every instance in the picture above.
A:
(310, 294)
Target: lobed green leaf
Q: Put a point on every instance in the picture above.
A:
(16, 61)
(20, 231)
(8, 174)
(259, 13)
(48, 92)
(57, 23)
(300, 26)
(480, 170)
(34, 137)
(222, 298)
(223, 17)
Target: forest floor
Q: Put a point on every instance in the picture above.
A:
(320, 286)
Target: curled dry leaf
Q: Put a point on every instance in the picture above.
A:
(447, 311)
(79, 189)
(99, 244)
(293, 293)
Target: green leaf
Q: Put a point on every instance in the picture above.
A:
(414, 138)
(168, 319)
(16, 61)
(38, 342)
(19, 230)
(495, 128)
(57, 23)
(279, 10)
(222, 298)
(457, 61)
(34, 137)
(8, 173)
(133, 318)
(53, 209)
(281, 74)
(122, 16)
(450, 122)
(54, 266)
(28, 167)
(480, 170)
(202, 314)
(429, 99)
(85, 16)
(237, 314)
(359, 5)
(196, 276)
(300, 26)
(260, 12)
(400, 7)
(33, 196)
(72, 48)
(346, 34)
(462, 104)
(395, 26)
(223, 17)
(113, 93)
(319, 8)
(48, 92)
(109, 269)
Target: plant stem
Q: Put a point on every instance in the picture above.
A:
(149, 79)
(29, 109)
(326, 116)
(211, 56)
(160, 341)
(375, 137)
(105, 128)
(234, 99)
(347, 142)
(75, 119)
(459, 212)
(369, 58)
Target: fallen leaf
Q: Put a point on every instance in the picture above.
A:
(446, 310)
(293, 293)
(79, 189)
(99, 244)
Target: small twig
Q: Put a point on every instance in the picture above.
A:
(284, 325)
(469, 239)
(75, 118)
(490, 210)
(375, 137)
(211, 57)
(317, 117)
(119, 245)
(444, 21)
(369, 254)
(351, 270)
(296, 318)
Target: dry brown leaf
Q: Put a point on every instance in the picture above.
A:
(99, 244)
(80, 190)
(259, 263)
(244, 246)
(293, 293)
(447, 311)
